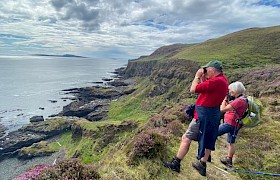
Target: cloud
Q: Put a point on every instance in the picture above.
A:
(124, 28)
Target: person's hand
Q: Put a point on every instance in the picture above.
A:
(199, 73)
(226, 99)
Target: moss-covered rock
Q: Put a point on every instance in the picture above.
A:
(50, 127)
(35, 150)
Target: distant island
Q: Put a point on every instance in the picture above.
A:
(64, 55)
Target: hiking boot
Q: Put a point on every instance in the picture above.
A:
(174, 165)
(199, 167)
(226, 161)
(209, 158)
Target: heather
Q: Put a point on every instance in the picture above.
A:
(64, 170)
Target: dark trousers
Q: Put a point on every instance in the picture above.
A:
(209, 119)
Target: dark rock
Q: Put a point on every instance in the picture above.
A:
(107, 79)
(98, 82)
(32, 133)
(18, 139)
(2, 130)
(50, 127)
(97, 116)
(53, 101)
(36, 119)
(92, 102)
(119, 71)
(79, 109)
(139, 68)
(41, 108)
(117, 83)
(77, 131)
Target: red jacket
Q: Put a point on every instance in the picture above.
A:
(211, 92)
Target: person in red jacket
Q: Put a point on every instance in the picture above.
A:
(212, 87)
(234, 109)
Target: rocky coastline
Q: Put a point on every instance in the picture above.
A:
(90, 103)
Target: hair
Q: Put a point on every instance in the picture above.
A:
(219, 70)
(238, 87)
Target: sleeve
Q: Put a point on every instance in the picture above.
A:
(236, 103)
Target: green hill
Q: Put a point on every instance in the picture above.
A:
(144, 128)
(250, 47)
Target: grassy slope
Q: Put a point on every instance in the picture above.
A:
(252, 47)
(258, 148)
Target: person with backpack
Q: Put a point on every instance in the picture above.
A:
(234, 106)
(212, 86)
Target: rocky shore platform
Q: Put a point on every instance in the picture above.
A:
(90, 103)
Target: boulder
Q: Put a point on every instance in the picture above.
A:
(36, 119)
(80, 109)
(97, 116)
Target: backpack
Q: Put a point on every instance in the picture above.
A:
(252, 115)
(190, 111)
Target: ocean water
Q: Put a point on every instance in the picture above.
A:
(28, 84)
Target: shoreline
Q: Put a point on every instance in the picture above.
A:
(88, 97)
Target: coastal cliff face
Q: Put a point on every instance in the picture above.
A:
(137, 68)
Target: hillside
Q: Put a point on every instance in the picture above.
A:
(144, 128)
(249, 47)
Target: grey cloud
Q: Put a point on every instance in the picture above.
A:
(81, 12)
(58, 4)
(86, 12)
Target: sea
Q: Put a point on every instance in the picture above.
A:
(32, 85)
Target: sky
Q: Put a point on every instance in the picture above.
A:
(123, 29)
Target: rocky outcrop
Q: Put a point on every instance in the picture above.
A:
(80, 109)
(170, 74)
(139, 68)
(143, 68)
(92, 102)
(18, 139)
(118, 83)
(35, 150)
(36, 119)
(32, 133)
